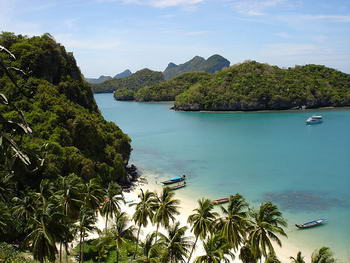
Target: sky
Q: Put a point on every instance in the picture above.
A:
(109, 36)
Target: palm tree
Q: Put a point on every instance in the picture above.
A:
(87, 220)
(202, 221)
(298, 259)
(93, 194)
(272, 258)
(121, 231)
(110, 206)
(5, 217)
(246, 254)
(268, 223)
(177, 245)
(322, 255)
(216, 251)
(152, 249)
(166, 207)
(234, 221)
(143, 212)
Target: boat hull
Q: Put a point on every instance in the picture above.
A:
(311, 224)
(173, 181)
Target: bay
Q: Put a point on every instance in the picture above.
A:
(265, 156)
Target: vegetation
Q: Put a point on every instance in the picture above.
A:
(124, 94)
(58, 185)
(255, 86)
(197, 64)
(169, 89)
(99, 80)
(133, 82)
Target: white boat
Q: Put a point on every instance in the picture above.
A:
(314, 119)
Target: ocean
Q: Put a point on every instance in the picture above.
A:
(265, 156)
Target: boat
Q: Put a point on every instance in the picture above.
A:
(179, 186)
(175, 179)
(221, 201)
(315, 119)
(311, 223)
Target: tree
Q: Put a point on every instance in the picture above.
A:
(322, 255)
(121, 231)
(234, 221)
(166, 207)
(110, 206)
(143, 212)
(272, 258)
(24, 207)
(93, 194)
(202, 221)
(177, 245)
(246, 254)
(87, 220)
(152, 249)
(216, 250)
(267, 224)
(298, 259)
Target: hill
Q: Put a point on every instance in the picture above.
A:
(59, 106)
(98, 80)
(135, 81)
(124, 74)
(255, 86)
(212, 64)
(169, 89)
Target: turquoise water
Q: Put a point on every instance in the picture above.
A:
(275, 157)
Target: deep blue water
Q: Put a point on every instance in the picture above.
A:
(271, 156)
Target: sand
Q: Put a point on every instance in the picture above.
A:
(187, 204)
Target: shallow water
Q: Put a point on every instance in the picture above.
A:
(273, 156)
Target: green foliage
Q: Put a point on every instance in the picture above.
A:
(124, 94)
(255, 86)
(9, 254)
(133, 82)
(169, 89)
(212, 64)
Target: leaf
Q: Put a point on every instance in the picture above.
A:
(18, 153)
(3, 49)
(3, 99)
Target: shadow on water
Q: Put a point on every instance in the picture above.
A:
(305, 201)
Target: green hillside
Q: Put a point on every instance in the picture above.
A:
(169, 89)
(212, 64)
(255, 86)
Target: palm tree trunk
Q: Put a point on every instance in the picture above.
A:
(66, 249)
(137, 241)
(117, 255)
(106, 222)
(82, 248)
(194, 245)
(81, 241)
(157, 232)
(60, 252)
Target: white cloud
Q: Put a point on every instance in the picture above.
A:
(254, 7)
(293, 49)
(70, 42)
(329, 18)
(164, 3)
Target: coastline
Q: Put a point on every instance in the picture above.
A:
(149, 182)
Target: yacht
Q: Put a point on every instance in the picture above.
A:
(314, 119)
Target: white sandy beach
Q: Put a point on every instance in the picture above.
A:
(187, 204)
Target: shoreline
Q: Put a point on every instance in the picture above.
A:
(147, 181)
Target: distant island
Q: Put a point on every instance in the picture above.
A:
(197, 64)
(106, 84)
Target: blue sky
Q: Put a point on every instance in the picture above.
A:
(109, 36)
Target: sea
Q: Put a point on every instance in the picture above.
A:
(265, 156)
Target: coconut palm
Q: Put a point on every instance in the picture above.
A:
(298, 259)
(93, 194)
(143, 212)
(165, 207)
(5, 217)
(110, 206)
(246, 254)
(6, 184)
(151, 249)
(268, 223)
(234, 221)
(87, 221)
(322, 255)
(216, 250)
(24, 207)
(272, 258)
(202, 221)
(177, 245)
(121, 231)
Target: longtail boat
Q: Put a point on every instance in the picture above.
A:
(221, 201)
(175, 187)
(175, 179)
(311, 223)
